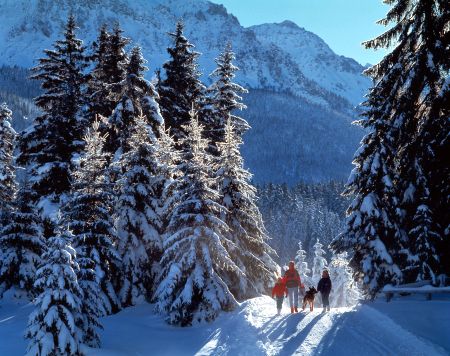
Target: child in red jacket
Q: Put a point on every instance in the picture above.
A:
(278, 292)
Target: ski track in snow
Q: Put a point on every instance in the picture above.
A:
(253, 330)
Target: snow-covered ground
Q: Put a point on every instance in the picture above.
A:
(405, 326)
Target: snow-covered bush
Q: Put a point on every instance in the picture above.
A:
(319, 262)
(345, 291)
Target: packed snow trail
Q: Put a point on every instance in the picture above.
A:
(254, 329)
(356, 331)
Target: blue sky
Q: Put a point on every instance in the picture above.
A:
(343, 24)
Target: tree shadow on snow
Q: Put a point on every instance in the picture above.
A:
(336, 340)
(286, 332)
(299, 336)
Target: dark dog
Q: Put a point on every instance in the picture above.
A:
(309, 298)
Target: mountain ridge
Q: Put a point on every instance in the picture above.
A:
(264, 64)
(312, 90)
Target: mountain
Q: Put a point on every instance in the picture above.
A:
(281, 59)
(337, 74)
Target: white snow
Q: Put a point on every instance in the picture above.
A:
(405, 326)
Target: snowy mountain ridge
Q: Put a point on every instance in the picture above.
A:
(280, 57)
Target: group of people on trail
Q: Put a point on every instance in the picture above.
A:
(290, 286)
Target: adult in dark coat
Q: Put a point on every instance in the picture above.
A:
(324, 287)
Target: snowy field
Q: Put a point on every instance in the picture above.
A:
(405, 326)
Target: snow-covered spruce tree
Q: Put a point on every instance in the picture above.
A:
(53, 325)
(224, 99)
(372, 230)
(88, 213)
(168, 158)
(345, 290)
(319, 262)
(181, 87)
(8, 186)
(434, 132)
(246, 240)
(21, 245)
(55, 137)
(135, 96)
(111, 61)
(191, 287)
(138, 208)
(302, 266)
(423, 264)
(408, 82)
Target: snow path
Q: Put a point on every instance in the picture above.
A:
(254, 330)
(360, 330)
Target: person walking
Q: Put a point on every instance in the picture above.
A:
(324, 287)
(293, 283)
(279, 292)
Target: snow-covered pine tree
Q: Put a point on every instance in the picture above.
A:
(88, 213)
(372, 229)
(319, 262)
(21, 245)
(425, 237)
(434, 131)
(97, 91)
(8, 185)
(55, 137)
(433, 136)
(111, 61)
(224, 99)
(53, 325)
(302, 266)
(246, 240)
(135, 96)
(168, 158)
(191, 287)
(345, 291)
(181, 86)
(408, 82)
(139, 222)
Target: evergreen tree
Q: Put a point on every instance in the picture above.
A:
(372, 226)
(345, 291)
(319, 262)
(48, 147)
(111, 62)
(191, 287)
(302, 266)
(225, 99)
(424, 53)
(139, 221)
(21, 245)
(135, 96)
(89, 216)
(247, 240)
(181, 87)
(434, 137)
(52, 327)
(168, 158)
(435, 132)
(389, 191)
(97, 92)
(425, 235)
(7, 171)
